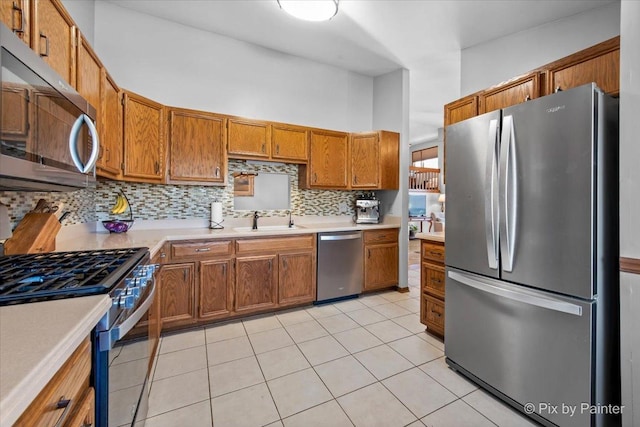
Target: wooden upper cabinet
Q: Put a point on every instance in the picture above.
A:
(328, 156)
(374, 160)
(289, 143)
(599, 64)
(462, 109)
(365, 160)
(248, 139)
(15, 15)
(196, 147)
(89, 73)
(144, 143)
(53, 37)
(110, 128)
(511, 93)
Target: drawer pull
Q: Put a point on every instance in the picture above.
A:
(46, 44)
(434, 253)
(436, 281)
(18, 9)
(66, 404)
(203, 249)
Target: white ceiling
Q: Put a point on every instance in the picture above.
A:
(374, 37)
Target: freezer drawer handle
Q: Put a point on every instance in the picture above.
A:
(551, 304)
(341, 237)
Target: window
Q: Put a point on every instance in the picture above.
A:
(425, 158)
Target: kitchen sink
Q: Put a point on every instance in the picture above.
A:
(268, 228)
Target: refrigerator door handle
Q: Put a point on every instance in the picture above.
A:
(490, 198)
(526, 298)
(508, 193)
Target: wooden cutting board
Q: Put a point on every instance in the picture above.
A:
(36, 233)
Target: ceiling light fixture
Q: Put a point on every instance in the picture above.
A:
(310, 10)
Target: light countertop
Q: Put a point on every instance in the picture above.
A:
(153, 234)
(434, 236)
(36, 339)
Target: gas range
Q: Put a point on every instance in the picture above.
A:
(121, 273)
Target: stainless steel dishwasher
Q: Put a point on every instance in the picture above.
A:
(340, 271)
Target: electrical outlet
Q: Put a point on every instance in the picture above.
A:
(342, 207)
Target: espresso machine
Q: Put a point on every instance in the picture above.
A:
(367, 209)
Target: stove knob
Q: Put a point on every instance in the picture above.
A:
(126, 301)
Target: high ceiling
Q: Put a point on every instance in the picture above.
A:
(373, 37)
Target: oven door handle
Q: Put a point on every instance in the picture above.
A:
(108, 338)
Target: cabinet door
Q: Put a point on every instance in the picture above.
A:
(289, 143)
(365, 160)
(53, 37)
(297, 281)
(380, 266)
(328, 159)
(89, 74)
(144, 145)
(196, 147)
(110, 161)
(15, 15)
(248, 139)
(177, 294)
(215, 289)
(85, 413)
(461, 109)
(599, 64)
(256, 283)
(512, 93)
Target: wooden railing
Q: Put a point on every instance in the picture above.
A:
(426, 179)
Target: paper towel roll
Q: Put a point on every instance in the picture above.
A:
(216, 213)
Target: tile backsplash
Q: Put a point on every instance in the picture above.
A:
(153, 201)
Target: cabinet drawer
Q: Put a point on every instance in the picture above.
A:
(433, 279)
(69, 383)
(389, 235)
(275, 244)
(204, 249)
(433, 252)
(433, 314)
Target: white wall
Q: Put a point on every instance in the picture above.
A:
(83, 13)
(182, 66)
(630, 207)
(493, 62)
(391, 112)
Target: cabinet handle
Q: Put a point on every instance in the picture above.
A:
(163, 255)
(284, 263)
(435, 253)
(18, 9)
(46, 40)
(368, 253)
(217, 171)
(263, 147)
(66, 404)
(315, 177)
(203, 249)
(157, 168)
(558, 89)
(224, 268)
(277, 148)
(436, 281)
(527, 98)
(355, 179)
(269, 266)
(184, 274)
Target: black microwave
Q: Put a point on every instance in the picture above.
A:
(48, 139)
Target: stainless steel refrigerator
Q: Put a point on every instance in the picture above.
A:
(532, 253)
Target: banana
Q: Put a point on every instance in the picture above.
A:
(119, 202)
(124, 206)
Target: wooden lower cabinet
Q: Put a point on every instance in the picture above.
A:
(256, 283)
(297, 278)
(215, 289)
(67, 400)
(380, 259)
(177, 290)
(432, 286)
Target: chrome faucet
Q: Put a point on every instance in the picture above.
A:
(255, 220)
(290, 220)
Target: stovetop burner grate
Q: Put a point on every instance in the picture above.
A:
(37, 277)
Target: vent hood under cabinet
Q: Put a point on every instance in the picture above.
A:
(48, 140)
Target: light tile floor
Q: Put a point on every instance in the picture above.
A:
(365, 362)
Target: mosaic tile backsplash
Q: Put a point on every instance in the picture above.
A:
(152, 201)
